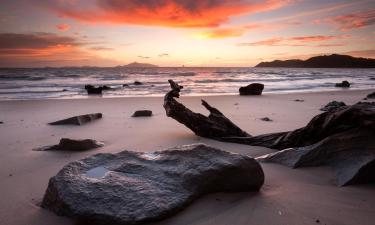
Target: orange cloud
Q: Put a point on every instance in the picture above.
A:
(63, 27)
(350, 21)
(221, 33)
(169, 13)
(298, 41)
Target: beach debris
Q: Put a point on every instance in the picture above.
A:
(343, 84)
(252, 89)
(78, 120)
(342, 139)
(215, 126)
(267, 119)
(372, 95)
(138, 187)
(93, 90)
(67, 144)
(142, 113)
(332, 106)
(299, 100)
(137, 83)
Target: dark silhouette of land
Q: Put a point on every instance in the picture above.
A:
(139, 65)
(325, 61)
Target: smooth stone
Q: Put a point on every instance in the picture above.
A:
(135, 187)
(78, 120)
(332, 106)
(266, 119)
(67, 144)
(142, 113)
(252, 89)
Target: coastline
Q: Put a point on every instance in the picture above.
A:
(289, 196)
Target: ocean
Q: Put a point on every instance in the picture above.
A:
(51, 83)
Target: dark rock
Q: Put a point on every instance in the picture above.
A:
(93, 90)
(266, 119)
(105, 87)
(64, 90)
(372, 95)
(1, 122)
(78, 120)
(372, 78)
(134, 187)
(342, 138)
(332, 106)
(344, 84)
(125, 85)
(137, 83)
(142, 113)
(299, 100)
(67, 144)
(252, 89)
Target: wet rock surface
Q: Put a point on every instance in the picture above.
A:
(78, 120)
(142, 113)
(134, 187)
(252, 89)
(372, 95)
(67, 144)
(332, 106)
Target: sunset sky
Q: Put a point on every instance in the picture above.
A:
(37, 33)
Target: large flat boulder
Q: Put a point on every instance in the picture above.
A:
(134, 187)
(78, 120)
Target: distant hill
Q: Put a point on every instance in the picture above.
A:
(139, 65)
(325, 61)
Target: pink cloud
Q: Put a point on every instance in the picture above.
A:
(63, 27)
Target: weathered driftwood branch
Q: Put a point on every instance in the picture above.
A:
(215, 126)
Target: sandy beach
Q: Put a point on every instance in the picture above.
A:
(289, 196)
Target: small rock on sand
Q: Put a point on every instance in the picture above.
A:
(142, 113)
(137, 83)
(266, 119)
(299, 100)
(67, 144)
(372, 95)
(78, 120)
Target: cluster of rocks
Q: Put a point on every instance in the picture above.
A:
(98, 90)
(332, 106)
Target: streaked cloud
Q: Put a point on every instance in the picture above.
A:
(168, 13)
(298, 41)
(350, 21)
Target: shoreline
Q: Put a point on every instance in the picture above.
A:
(289, 196)
(265, 93)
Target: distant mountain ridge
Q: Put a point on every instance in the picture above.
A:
(139, 65)
(325, 61)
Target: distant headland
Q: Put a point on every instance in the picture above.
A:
(139, 65)
(325, 61)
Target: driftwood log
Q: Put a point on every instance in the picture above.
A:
(215, 126)
(342, 138)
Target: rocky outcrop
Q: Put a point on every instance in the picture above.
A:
(78, 120)
(142, 113)
(134, 187)
(67, 144)
(343, 84)
(252, 89)
(332, 106)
